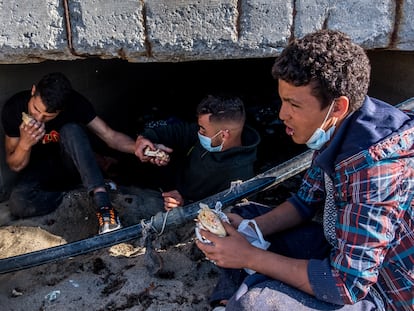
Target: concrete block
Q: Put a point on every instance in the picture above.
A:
(406, 27)
(191, 29)
(32, 31)
(369, 25)
(265, 26)
(108, 29)
(310, 16)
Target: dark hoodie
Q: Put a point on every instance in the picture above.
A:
(201, 173)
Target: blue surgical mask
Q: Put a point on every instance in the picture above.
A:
(206, 143)
(321, 137)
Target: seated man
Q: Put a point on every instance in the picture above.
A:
(51, 151)
(359, 253)
(206, 156)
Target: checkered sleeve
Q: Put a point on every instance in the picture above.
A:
(311, 194)
(369, 214)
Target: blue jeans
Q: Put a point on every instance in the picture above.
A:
(259, 292)
(40, 187)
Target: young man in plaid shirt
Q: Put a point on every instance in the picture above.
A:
(345, 240)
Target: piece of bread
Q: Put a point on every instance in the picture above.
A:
(26, 118)
(158, 153)
(210, 221)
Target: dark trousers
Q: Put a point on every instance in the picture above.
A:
(40, 187)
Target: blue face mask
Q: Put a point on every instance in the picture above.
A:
(321, 137)
(206, 143)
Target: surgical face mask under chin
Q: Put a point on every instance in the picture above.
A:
(321, 137)
(206, 143)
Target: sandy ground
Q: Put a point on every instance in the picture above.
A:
(116, 278)
(121, 277)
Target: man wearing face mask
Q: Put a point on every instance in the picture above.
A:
(344, 241)
(205, 156)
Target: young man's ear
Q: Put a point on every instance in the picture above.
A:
(225, 133)
(33, 89)
(341, 107)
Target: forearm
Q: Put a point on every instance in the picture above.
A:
(18, 158)
(123, 143)
(288, 270)
(114, 139)
(293, 272)
(280, 218)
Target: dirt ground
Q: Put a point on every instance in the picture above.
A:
(121, 277)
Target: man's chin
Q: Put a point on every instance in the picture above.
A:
(297, 141)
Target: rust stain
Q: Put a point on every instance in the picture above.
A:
(147, 42)
(122, 54)
(394, 38)
(69, 28)
(67, 24)
(325, 21)
(238, 18)
(292, 27)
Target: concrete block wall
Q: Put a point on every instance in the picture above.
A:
(128, 52)
(185, 30)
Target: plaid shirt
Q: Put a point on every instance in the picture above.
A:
(374, 249)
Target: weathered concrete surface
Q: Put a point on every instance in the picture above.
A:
(186, 30)
(129, 55)
(179, 30)
(369, 25)
(32, 31)
(108, 29)
(406, 27)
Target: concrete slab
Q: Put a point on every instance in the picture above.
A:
(32, 31)
(265, 26)
(108, 29)
(406, 28)
(192, 29)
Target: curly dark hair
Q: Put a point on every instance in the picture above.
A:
(54, 89)
(222, 108)
(330, 62)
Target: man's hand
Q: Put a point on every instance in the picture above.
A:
(31, 133)
(18, 149)
(142, 143)
(231, 251)
(172, 199)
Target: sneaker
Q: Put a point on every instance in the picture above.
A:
(219, 308)
(108, 220)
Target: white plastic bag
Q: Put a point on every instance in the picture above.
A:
(251, 231)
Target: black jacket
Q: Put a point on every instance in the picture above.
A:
(200, 173)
